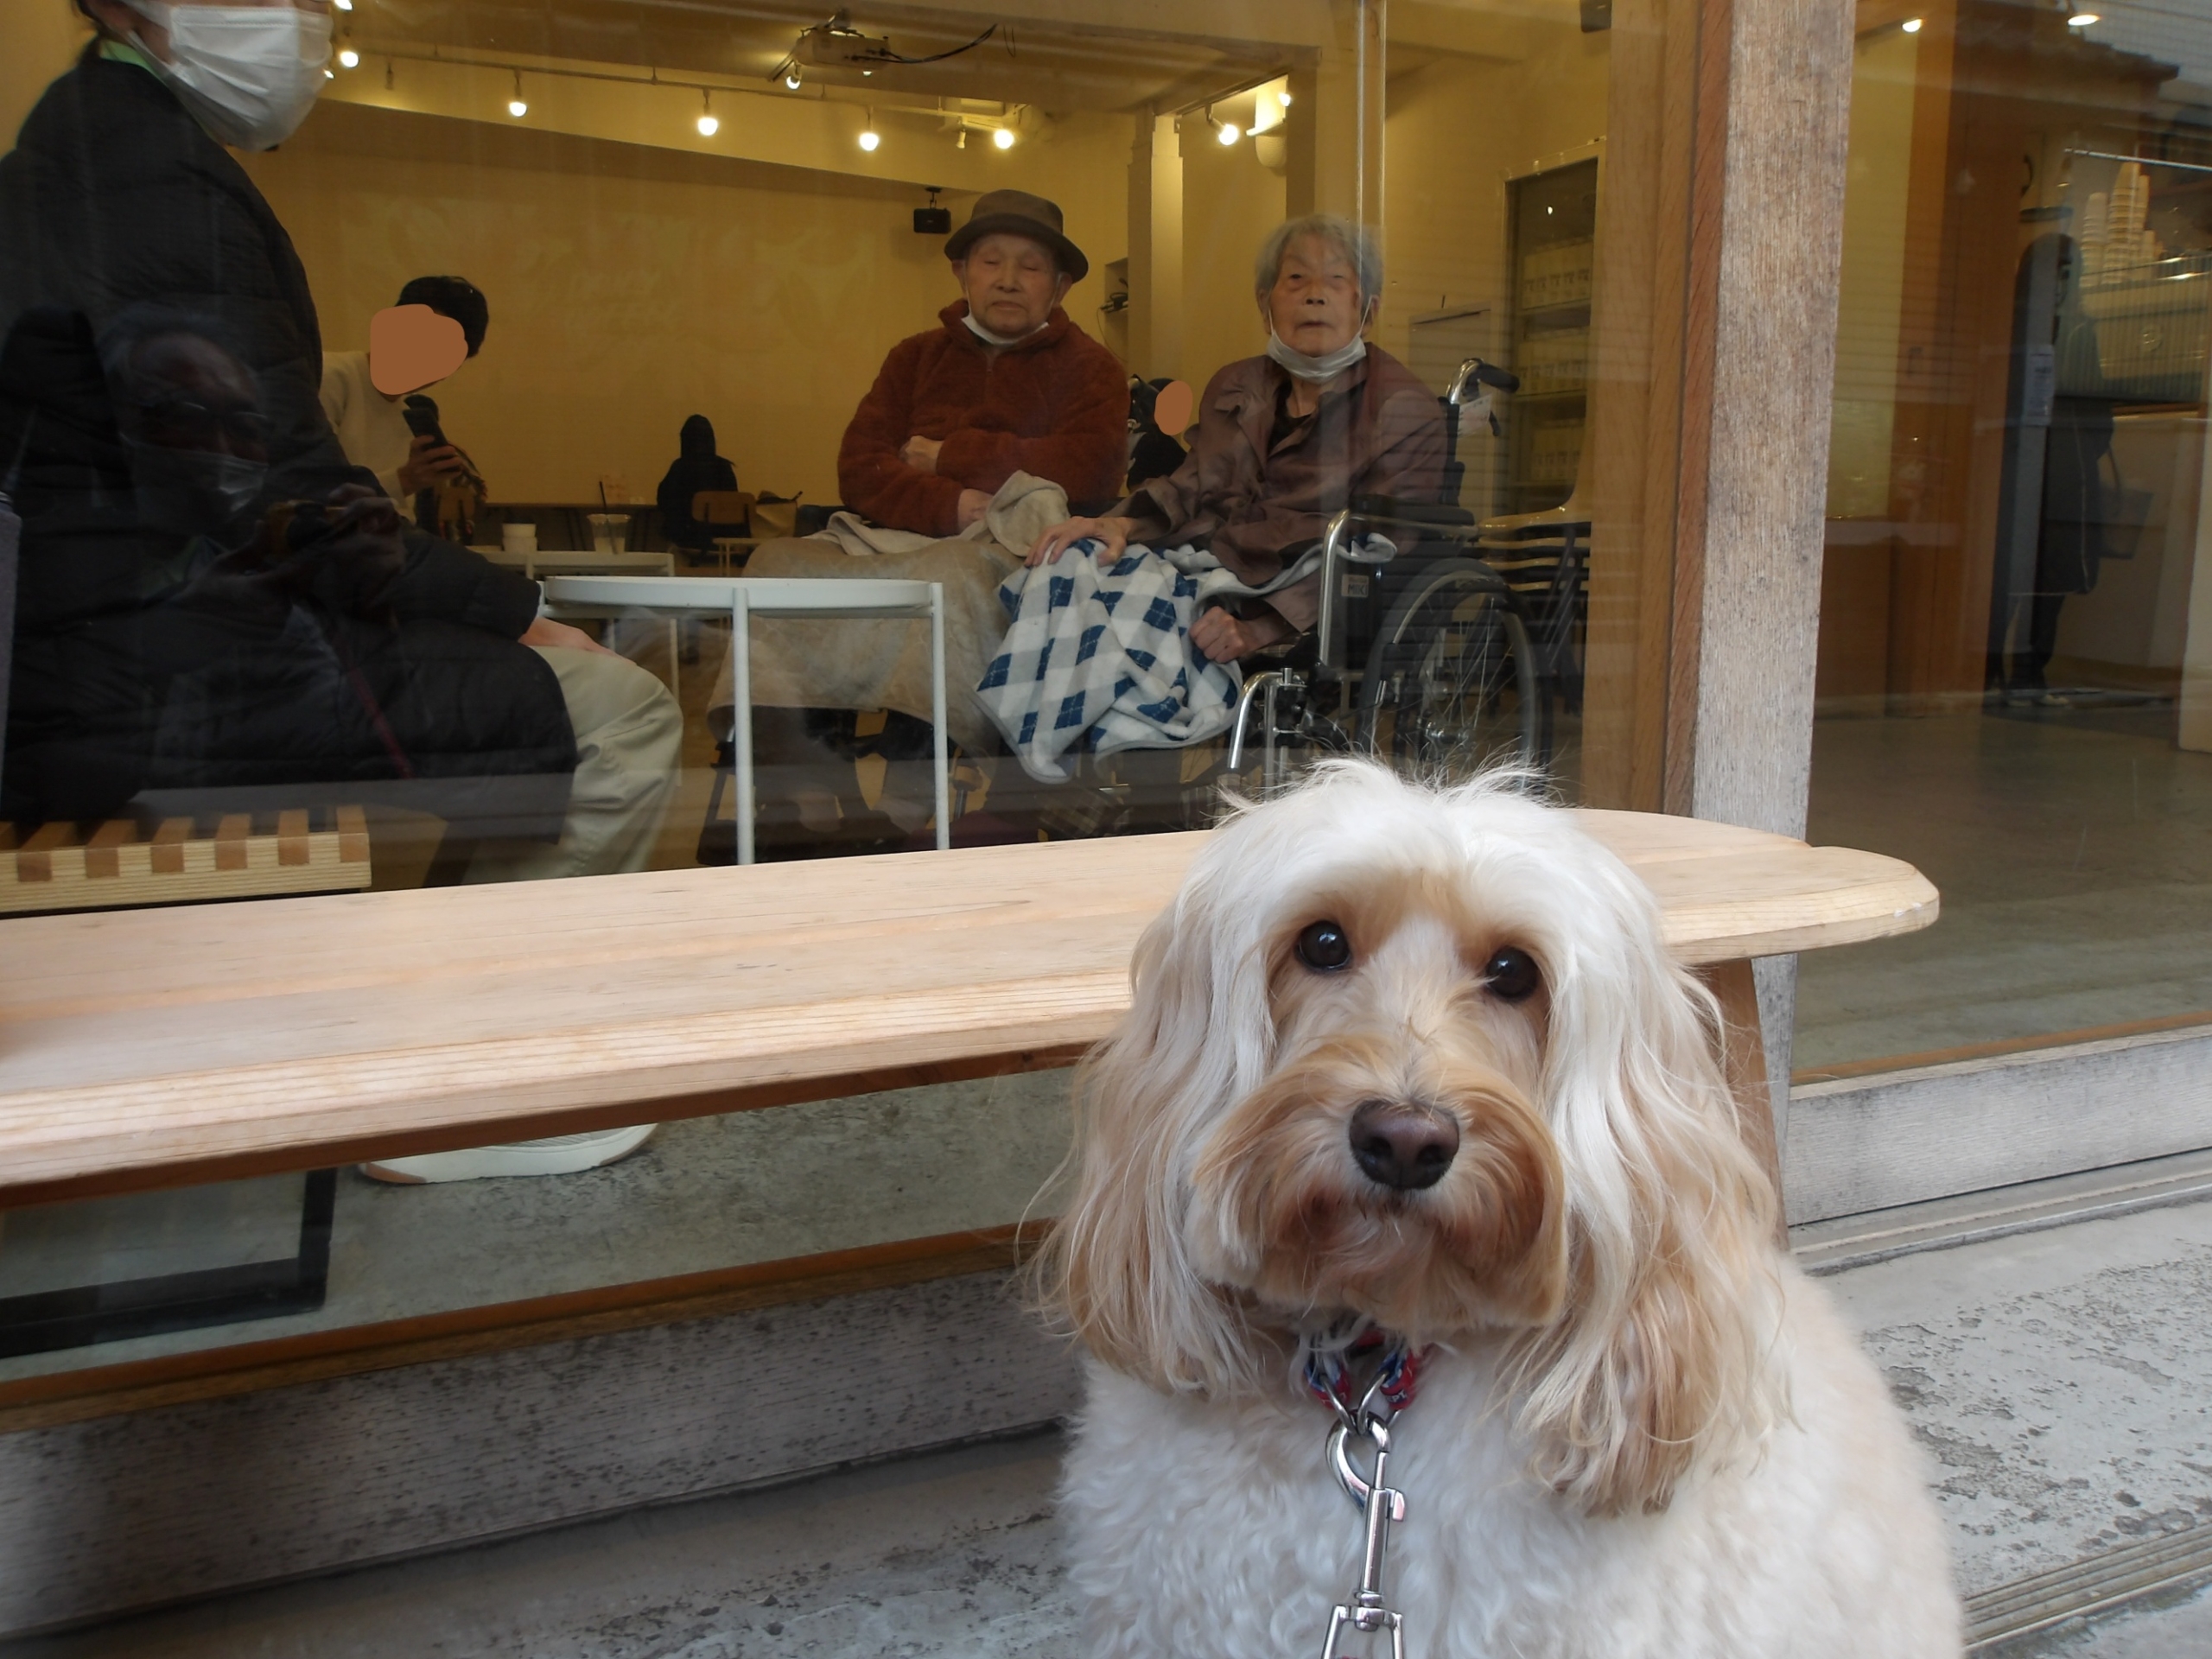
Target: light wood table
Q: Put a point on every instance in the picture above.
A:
(158, 1048)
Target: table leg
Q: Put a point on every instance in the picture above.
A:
(936, 716)
(741, 652)
(1743, 1060)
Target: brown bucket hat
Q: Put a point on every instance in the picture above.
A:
(1018, 214)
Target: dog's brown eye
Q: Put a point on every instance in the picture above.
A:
(1324, 948)
(1511, 975)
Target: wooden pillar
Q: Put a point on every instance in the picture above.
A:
(1748, 562)
(1649, 392)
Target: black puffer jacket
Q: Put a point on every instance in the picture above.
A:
(113, 197)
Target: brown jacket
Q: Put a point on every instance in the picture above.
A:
(1056, 405)
(1379, 432)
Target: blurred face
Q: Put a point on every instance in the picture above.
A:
(120, 20)
(1011, 283)
(1315, 306)
(189, 393)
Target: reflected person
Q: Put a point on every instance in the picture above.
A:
(118, 193)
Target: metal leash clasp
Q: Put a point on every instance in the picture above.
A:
(1383, 1504)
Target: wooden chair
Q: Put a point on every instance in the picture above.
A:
(730, 507)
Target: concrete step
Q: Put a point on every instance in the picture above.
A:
(2053, 1361)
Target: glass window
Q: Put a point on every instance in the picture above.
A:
(2011, 648)
(390, 393)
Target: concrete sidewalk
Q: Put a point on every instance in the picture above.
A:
(2058, 1380)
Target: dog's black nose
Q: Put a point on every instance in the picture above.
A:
(1403, 1146)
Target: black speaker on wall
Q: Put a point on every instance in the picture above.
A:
(1597, 15)
(932, 221)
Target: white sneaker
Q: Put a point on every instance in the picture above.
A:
(559, 1154)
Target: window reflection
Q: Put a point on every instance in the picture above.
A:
(320, 378)
(2011, 631)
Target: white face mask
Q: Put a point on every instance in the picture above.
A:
(982, 333)
(1328, 368)
(249, 74)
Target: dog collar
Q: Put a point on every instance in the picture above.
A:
(1374, 1373)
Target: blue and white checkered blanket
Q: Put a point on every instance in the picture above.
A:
(1103, 653)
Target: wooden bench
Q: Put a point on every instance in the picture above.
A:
(163, 1047)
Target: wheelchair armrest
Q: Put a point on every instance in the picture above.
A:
(1410, 512)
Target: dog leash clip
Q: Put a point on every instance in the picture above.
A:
(1383, 1505)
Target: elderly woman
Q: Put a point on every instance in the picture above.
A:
(1285, 440)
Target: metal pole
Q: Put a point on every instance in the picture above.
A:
(740, 650)
(936, 716)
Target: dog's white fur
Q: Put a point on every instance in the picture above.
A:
(1644, 1433)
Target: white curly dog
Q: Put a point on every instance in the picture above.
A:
(1414, 1066)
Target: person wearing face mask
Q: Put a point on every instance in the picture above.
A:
(120, 192)
(1285, 440)
(1005, 390)
(1004, 383)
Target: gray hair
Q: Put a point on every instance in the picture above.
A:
(1351, 240)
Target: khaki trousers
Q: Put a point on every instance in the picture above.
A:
(629, 739)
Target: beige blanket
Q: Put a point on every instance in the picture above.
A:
(849, 663)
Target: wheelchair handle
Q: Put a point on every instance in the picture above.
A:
(1476, 373)
(1335, 552)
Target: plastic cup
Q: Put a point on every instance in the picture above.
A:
(610, 531)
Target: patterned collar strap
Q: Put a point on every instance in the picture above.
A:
(1378, 1371)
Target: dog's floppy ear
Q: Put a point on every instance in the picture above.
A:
(1116, 1270)
(1662, 1360)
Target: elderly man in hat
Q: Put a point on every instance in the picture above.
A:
(1004, 383)
(978, 435)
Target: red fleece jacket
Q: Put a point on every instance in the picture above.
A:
(1056, 405)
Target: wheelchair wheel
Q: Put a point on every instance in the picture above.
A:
(1451, 684)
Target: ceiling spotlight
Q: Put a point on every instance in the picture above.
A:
(330, 75)
(1003, 137)
(515, 106)
(2082, 20)
(708, 125)
(870, 136)
(1227, 132)
(1911, 26)
(345, 5)
(348, 58)
(792, 78)
(1285, 96)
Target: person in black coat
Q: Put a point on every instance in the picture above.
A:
(115, 197)
(696, 467)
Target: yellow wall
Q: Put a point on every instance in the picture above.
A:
(1229, 205)
(38, 40)
(1873, 275)
(1456, 129)
(631, 286)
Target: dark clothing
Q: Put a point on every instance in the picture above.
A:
(115, 197)
(1055, 405)
(1259, 488)
(696, 467)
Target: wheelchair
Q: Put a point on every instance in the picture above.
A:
(1445, 655)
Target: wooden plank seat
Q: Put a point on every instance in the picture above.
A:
(163, 1047)
(122, 862)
